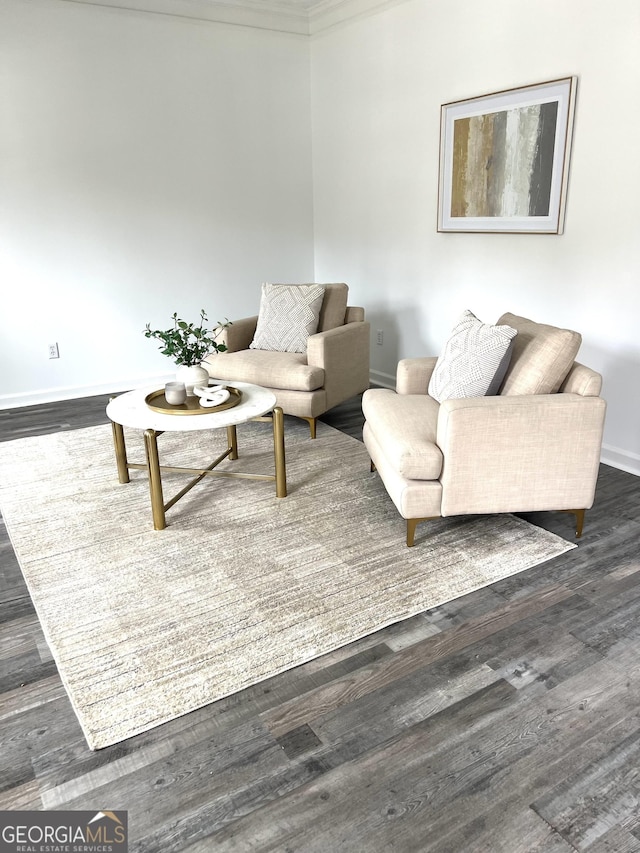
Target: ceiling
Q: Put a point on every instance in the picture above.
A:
(304, 17)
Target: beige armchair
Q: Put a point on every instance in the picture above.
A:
(333, 368)
(534, 446)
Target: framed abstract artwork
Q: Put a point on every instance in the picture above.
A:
(504, 160)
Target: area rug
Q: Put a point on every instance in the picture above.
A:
(148, 625)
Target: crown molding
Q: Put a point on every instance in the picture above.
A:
(300, 17)
(288, 17)
(326, 14)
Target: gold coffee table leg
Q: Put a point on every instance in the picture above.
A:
(278, 452)
(121, 452)
(155, 481)
(232, 440)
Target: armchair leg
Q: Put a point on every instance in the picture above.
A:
(579, 514)
(412, 523)
(312, 425)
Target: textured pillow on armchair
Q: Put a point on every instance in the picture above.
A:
(474, 360)
(288, 315)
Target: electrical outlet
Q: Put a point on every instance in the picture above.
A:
(380, 337)
(53, 351)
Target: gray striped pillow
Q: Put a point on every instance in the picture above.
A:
(289, 313)
(474, 360)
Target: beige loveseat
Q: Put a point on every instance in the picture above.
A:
(334, 367)
(534, 446)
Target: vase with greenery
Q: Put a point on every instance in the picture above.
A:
(187, 344)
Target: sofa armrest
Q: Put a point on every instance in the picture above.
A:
(519, 453)
(343, 354)
(413, 375)
(239, 334)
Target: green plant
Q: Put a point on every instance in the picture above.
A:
(187, 343)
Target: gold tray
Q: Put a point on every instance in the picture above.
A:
(157, 401)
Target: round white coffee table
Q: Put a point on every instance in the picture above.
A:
(131, 410)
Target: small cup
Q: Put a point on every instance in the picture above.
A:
(175, 393)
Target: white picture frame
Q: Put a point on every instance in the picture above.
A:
(504, 160)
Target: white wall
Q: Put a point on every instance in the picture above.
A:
(148, 164)
(377, 87)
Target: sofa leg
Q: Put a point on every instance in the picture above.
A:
(412, 523)
(579, 514)
(312, 425)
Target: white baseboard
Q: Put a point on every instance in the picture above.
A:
(622, 459)
(385, 380)
(72, 392)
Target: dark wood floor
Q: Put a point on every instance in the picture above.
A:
(508, 720)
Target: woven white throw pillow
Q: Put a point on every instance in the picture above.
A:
(289, 313)
(474, 360)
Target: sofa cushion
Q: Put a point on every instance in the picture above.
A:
(334, 307)
(288, 315)
(542, 357)
(473, 361)
(284, 370)
(404, 426)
